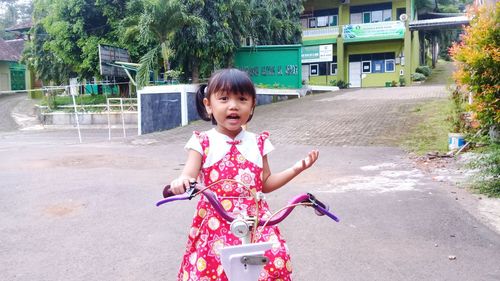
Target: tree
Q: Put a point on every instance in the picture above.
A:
(46, 66)
(276, 22)
(13, 12)
(224, 24)
(477, 57)
(68, 32)
(212, 42)
(158, 23)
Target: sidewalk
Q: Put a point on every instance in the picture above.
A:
(353, 117)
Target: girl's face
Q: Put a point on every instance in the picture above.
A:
(230, 110)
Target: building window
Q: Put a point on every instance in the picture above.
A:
(333, 68)
(387, 15)
(377, 16)
(371, 16)
(312, 22)
(322, 21)
(367, 17)
(378, 66)
(366, 67)
(333, 20)
(375, 62)
(356, 18)
(314, 69)
(389, 65)
(304, 22)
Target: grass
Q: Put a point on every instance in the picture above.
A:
(431, 132)
(54, 102)
(80, 99)
(487, 180)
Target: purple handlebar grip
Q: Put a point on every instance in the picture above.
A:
(167, 192)
(326, 212)
(183, 196)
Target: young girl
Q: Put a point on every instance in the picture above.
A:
(235, 162)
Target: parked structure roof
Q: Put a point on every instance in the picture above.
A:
(23, 26)
(11, 50)
(439, 23)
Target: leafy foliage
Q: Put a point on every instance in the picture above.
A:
(193, 36)
(487, 180)
(158, 23)
(212, 41)
(223, 24)
(70, 31)
(417, 77)
(477, 58)
(456, 117)
(340, 83)
(424, 69)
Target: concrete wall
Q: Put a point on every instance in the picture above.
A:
(63, 118)
(166, 107)
(4, 76)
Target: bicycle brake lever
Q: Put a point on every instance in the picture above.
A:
(321, 208)
(189, 192)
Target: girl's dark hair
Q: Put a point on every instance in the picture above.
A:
(230, 80)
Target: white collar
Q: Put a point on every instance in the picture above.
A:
(220, 145)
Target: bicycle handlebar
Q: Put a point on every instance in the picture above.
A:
(321, 208)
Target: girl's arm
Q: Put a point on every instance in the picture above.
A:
(272, 182)
(190, 172)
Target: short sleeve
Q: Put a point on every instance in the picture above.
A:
(194, 144)
(267, 146)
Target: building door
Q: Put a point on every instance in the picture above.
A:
(4, 82)
(355, 74)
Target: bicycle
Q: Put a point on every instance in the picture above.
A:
(244, 262)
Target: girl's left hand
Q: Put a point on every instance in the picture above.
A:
(306, 162)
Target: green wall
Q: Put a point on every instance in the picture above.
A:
(374, 47)
(277, 66)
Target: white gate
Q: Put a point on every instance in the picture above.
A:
(305, 72)
(355, 74)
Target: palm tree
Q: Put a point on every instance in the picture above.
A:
(159, 22)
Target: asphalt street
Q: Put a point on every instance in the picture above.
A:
(71, 211)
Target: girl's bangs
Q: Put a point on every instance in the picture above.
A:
(232, 81)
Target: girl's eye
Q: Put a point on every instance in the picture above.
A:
(243, 98)
(223, 98)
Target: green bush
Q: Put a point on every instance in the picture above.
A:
(340, 83)
(424, 69)
(487, 180)
(457, 112)
(477, 64)
(417, 77)
(402, 81)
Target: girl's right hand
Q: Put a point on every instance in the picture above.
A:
(180, 184)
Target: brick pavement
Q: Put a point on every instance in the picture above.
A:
(353, 117)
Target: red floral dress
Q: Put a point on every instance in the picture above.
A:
(209, 231)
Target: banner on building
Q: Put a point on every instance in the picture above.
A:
(319, 53)
(373, 31)
(276, 66)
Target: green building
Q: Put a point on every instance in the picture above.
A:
(366, 43)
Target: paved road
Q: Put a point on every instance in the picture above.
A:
(71, 211)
